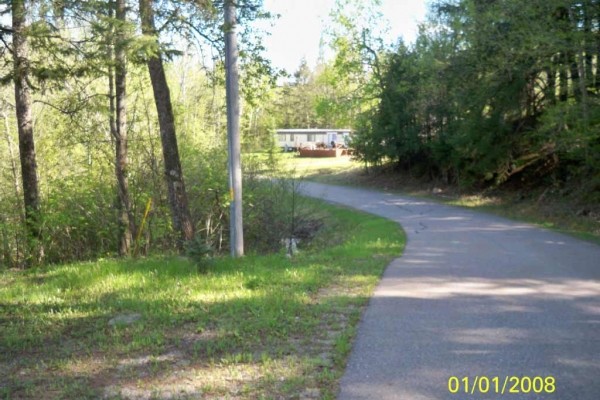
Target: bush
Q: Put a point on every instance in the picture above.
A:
(272, 208)
(200, 252)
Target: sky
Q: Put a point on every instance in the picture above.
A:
(297, 33)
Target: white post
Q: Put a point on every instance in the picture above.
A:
(233, 131)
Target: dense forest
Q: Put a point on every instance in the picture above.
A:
(492, 92)
(114, 113)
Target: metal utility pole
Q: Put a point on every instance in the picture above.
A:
(233, 131)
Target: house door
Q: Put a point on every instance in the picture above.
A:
(331, 137)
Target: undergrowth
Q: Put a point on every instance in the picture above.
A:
(263, 326)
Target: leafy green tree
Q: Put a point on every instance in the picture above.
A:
(296, 98)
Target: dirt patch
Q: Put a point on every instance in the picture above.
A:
(336, 290)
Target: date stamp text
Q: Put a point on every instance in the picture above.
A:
(501, 384)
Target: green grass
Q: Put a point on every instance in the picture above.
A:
(557, 214)
(316, 168)
(257, 327)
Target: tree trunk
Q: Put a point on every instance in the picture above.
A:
(31, 195)
(6, 248)
(563, 79)
(597, 51)
(11, 155)
(123, 204)
(589, 44)
(182, 222)
(550, 89)
(573, 57)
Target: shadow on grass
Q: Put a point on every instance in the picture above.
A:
(58, 335)
(172, 343)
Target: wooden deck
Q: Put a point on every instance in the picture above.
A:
(321, 152)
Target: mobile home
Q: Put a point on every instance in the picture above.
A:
(293, 139)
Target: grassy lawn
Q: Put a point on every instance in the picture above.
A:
(319, 169)
(544, 208)
(261, 327)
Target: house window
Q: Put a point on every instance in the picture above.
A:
(291, 137)
(310, 137)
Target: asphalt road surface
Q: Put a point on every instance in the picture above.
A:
(508, 306)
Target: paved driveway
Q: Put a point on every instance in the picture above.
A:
(474, 296)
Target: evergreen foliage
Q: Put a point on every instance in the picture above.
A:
(492, 91)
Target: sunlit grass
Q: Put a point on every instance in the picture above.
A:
(315, 167)
(261, 326)
(474, 201)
